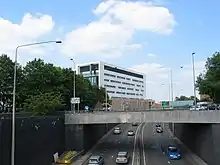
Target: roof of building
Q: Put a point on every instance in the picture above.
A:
(112, 65)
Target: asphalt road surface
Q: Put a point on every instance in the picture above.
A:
(155, 145)
(147, 146)
(115, 143)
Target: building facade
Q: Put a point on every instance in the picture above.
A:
(119, 82)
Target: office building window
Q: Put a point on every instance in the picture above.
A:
(110, 86)
(110, 91)
(106, 80)
(121, 77)
(115, 81)
(110, 75)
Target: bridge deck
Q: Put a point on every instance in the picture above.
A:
(173, 116)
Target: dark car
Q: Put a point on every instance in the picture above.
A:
(135, 124)
(158, 125)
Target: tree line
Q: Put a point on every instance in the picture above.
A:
(43, 88)
(208, 83)
(185, 98)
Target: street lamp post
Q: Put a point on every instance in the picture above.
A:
(171, 89)
(74, 82)
(106, 99)
(171, 83)
(194, 78)
(14, 94)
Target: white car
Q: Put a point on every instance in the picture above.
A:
(117, 130)
(122, 158)
(159, 129)
(192, 108)
(130, 133)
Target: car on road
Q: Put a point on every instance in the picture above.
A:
(130, 133)
(159, 129)
(66, 157)
(173, 153)
(96, 160)
(117, 130)
(122, 158)
(135, 124)
(158, 125)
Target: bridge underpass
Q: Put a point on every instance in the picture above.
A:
(172, 116)
(200, 137)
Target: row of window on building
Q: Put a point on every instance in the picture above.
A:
(131, 89)
(110, 75)
(123, 93)
(125, 83)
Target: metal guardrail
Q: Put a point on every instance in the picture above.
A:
(95, 111)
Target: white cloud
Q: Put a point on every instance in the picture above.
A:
(28, 30)
(112, 33)
(158, 79)
(151, 55)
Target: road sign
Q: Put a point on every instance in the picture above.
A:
(75, 100)
(165, 104)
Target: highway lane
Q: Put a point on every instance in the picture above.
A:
(115, 143)
(154, 145)
(150, 146)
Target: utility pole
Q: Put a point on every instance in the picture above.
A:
(74, 82)
(194, 79)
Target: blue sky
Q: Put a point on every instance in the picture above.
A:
(170, 30)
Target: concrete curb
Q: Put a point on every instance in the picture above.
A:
(193, 157)
(85, 157)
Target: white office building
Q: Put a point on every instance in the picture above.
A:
(119, 82)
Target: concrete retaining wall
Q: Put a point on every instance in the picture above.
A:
(37, 139)
(83, 137)
(202, 139)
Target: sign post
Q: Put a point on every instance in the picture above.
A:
(165, 104)
(75, 100)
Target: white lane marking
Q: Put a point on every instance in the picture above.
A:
(135, 140)
(142, 139)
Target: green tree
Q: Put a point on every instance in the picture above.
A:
(43, 103)
(7, 80)
(185, 98)
(41, 77)
(182, 98)
(209, 82)
(39, 84)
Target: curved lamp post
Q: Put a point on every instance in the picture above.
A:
(14, 94)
